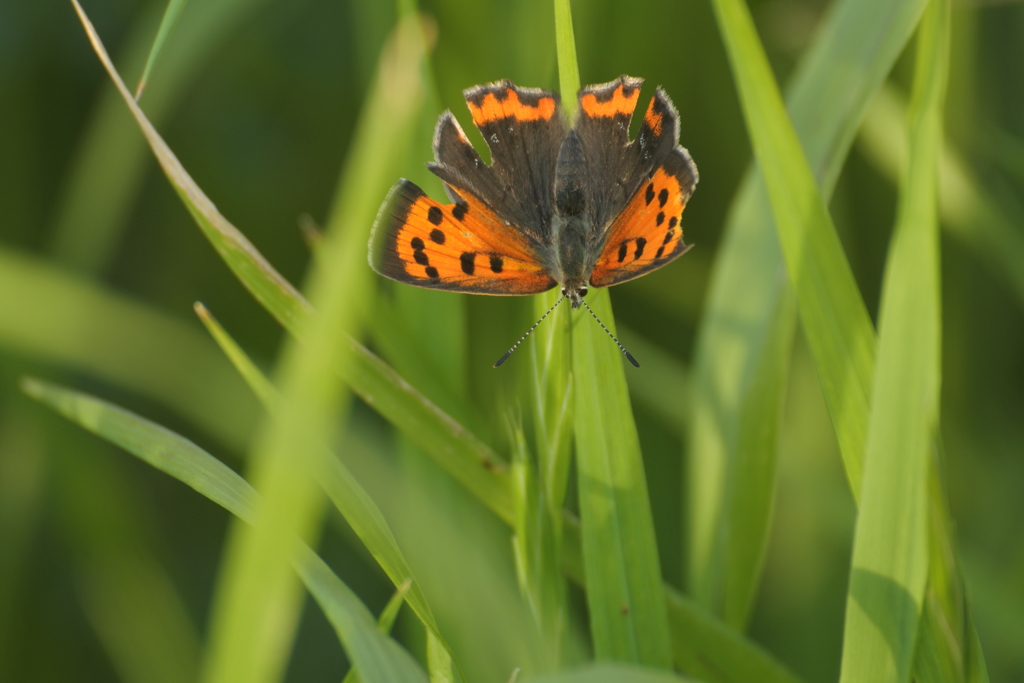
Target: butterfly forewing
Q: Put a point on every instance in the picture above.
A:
(461, 247)
(523, 128)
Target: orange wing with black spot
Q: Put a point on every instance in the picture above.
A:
(644, 183)
(461, 247)
(648, 233)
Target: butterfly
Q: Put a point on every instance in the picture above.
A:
(570, 203)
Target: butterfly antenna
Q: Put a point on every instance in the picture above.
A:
(622, 348)
(514, 346)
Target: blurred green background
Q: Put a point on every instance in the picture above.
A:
(100, 265)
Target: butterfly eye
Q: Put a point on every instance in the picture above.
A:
(582, 291)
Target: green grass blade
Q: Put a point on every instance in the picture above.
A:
(710, 649)
(257, 603)
(388, 615)
(890, 552)
(852, 54)
(378, 657)
(267, 286)
(551, 382)
(836, 322)
(258, 383)
(628, 620)
(171, 14)
(109, 167)
(551, 357)
(611, 673)
(537, 556)
(969, 212)
(702, 644)
(469, 460)
(625, 598)
(568, 66)
(843, 380)
(348, 496)
(385, 622)
(751, 499)
(57, 317)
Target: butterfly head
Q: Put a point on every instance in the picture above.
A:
(575, 294)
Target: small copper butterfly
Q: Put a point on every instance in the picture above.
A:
(573, 204)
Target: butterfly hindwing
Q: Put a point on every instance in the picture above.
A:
(648, 232)
(460, 247)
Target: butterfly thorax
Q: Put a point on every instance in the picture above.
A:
(570, 226)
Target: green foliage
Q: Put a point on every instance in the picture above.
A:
(890, 552)
(389, 455)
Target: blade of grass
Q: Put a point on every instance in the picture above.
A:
(171, 14)
(626, 602)
(889, 569)
(267, 286)
(248, 633)
(538, 561)
(378, 658)
(611, 673)
(754, 464)
(266, 393)
(348, 496)
(551, 382)
(539, 535)
(568, 66)
(830, 315)
(969, 212)
(852, 53)
(836, 322)
(702, 644)
(60, 318)
(623, 578)
(108, 170)
(384, 622)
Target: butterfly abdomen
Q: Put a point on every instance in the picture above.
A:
(570, 225)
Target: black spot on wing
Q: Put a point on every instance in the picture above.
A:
(672, 222)
(649, 196)
(432, 273)
(662, 197)
(623, 250)
(497, 263)
(657, 221)
(640, 244)
(421, 257)
(417, 243)
(434, 215)
(436, 236)
(460, 211)
(468, 260)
